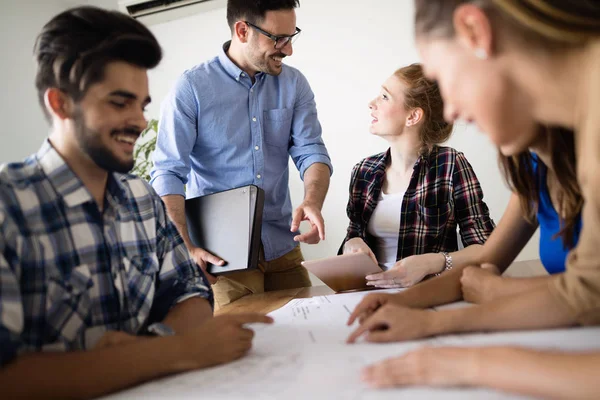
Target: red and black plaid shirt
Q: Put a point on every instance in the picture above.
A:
(443, 192)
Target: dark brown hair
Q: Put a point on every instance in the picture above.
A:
(518, 173)
(425, 94)
(75, 46)
(254, 10)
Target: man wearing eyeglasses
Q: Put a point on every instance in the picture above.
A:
(235, 120)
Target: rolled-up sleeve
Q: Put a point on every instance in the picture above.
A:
(179, 278)
(471, 212)
(11, 308)
(307, 145)
(177, 133)
(579, 287)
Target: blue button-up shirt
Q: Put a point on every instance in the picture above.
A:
(219, 130)
(69, 273)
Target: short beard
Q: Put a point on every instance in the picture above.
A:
(90, 143)
(260, 63)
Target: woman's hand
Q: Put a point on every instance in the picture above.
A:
(427, 366)
(480, 284)
(395, 323)
(369, 304)
(357, 245)
(408, 271)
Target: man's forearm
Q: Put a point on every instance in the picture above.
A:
(176, 208)
(538, 373)
(188, 314)
(88, 374)
(316, 184)
(537, 309)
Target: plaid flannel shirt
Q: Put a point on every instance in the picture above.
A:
(443, 192)
(69, 272)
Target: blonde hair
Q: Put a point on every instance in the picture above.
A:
(552, 22)
(425, 94)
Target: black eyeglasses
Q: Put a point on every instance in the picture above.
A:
(280, 41)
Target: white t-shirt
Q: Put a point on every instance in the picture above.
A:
(384, 226)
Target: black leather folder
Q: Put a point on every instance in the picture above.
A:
(228, 225)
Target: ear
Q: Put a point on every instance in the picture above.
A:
(58, 103)
(241, 30)
(474, 30)
(415, 116)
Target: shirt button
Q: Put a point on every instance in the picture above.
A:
(253, 119)
(258, 176)
(242, 74)
(256, 147)
(251, 90)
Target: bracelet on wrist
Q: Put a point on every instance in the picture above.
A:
(447, 262)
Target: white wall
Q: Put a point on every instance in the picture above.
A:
(346, 52)
(23, 126)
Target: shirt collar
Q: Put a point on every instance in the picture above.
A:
(378, 167)
(66, 183)
(233, 70)
(429, 156)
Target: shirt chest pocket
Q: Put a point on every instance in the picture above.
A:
(277, 126)
(68, 307)
(142, 271)
(435, 219)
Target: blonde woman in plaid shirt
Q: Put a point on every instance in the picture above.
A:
(406, 203)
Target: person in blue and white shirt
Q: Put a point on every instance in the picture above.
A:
(236, 120)
(90, 263)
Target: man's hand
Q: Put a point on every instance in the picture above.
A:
(393, 323)
(478, 284)
(221, 339)
(408, 271)
(427, 366)
(202, 257)
(357, 245)
(311, 213)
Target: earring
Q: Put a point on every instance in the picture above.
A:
(481, 54)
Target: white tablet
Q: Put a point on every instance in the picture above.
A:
(345, 272)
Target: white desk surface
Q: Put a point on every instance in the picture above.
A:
(303, 356)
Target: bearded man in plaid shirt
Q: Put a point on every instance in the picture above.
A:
(90, 263)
